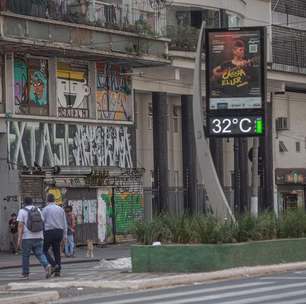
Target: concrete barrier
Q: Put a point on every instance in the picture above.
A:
(211, 257)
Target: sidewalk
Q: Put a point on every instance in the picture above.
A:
(120, 250)
(52, 290)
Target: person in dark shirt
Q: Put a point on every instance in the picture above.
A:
(13, 235)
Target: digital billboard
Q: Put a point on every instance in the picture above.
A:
(235, 69)
(235, 77)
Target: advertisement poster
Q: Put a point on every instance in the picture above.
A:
(234, 60)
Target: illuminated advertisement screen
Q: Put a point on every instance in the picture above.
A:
(234, 60)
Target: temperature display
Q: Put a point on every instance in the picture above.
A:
(235, 126)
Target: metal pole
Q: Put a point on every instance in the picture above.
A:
(254, 197)
(113, 215)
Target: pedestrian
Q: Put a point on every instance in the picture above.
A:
(30, 237)
(55, 231)
(13, 232)
(71, 226)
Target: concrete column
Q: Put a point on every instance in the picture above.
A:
(52, 67)
(160, 148)
(9, 83)
(189, 156)
(244, 175)
(92, 83)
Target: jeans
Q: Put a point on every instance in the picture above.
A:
(13, 237)
(69, 246)
(35, 245)
(53, 238)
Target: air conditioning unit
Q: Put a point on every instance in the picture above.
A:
(281, 123)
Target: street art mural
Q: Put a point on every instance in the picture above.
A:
(114, 93)
(50, 144)
(129, 208)
(31, 86)
(72, 90)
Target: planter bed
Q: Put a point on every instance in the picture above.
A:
(210, 257)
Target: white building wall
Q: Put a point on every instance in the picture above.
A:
(292, 106)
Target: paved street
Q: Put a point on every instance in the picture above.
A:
(289, 288)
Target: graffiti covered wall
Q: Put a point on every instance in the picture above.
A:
(50, 144)
(129, 207)
(72, 90)
(31, 86)
(114, 93)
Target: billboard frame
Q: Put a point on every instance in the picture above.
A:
(218, 113)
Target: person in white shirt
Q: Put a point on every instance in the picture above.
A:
(55, 231)
(30, 241)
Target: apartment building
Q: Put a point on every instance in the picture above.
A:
(67, 107)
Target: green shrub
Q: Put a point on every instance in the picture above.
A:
(246, 229)
(266, 226)
(179, 228)
(292, 224)
(206, 229)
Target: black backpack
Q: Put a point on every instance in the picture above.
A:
(35, 222)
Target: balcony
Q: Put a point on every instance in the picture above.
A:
(78, 28)
(288, 47)
(90, 12)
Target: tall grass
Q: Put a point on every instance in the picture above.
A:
(206, 229)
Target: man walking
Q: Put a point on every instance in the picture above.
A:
(30, 237)
(55, 232)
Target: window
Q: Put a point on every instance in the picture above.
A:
(150, 116)
(298, 146)
(194, 18)
(72, 90)
(31, 86)
(233, 20)
(282, 147)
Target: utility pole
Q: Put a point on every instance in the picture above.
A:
(254, 197)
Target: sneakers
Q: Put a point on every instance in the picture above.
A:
(25, 276)
(48, 271)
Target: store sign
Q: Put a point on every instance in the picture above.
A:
(32, 144)
(235, 81)
(290, 176)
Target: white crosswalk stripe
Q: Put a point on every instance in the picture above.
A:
(218, 295)
(176, 294)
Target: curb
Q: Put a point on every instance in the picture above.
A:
(63, 263)
(39, 297)
(170, 280)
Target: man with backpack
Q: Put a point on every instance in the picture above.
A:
(30, 237)
(55, 231)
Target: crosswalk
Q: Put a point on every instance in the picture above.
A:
(284, 289)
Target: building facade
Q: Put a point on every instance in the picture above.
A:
(67, 108)
(289, 106)
(174, 85)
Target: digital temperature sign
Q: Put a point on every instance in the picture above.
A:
(235, 81)
(232, 126)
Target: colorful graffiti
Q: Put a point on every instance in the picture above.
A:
(50, 144)
(31, 86)
(73, 91)
(57, 195)
(129, 208)
(114, 93)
